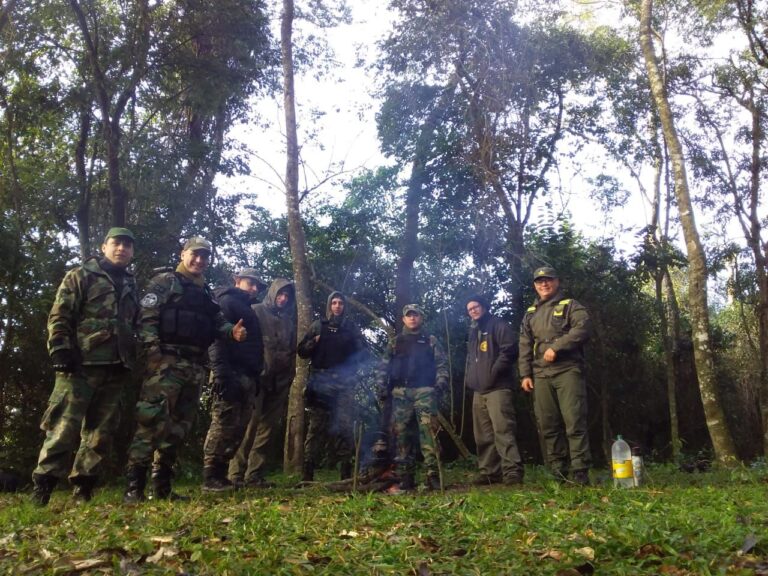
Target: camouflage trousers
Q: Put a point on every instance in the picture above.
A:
(421, 403)
(84, 409)
(228, 423)
(166, 411)
(330, 417)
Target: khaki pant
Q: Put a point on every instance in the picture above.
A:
(495, 426)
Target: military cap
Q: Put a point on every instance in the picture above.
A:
(251, 274)
(545, 272)
(198, 243)
(412, 308)
(117, 231)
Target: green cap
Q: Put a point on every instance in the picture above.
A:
(198, 243)
(251, 274)
(412, 308)
(115, 232)
(545, 272)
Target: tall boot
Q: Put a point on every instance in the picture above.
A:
(137, 482)
(161, 484)
(83, 488)
(215, 478)
(42, 486)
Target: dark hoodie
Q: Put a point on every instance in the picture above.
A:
(491, 354)
(228, 356)
(278, 329)
(340, 339)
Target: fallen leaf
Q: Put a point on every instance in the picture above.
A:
(349, 534)
(162, 539)
(649, 550)
(162, 552)
(226, 520)
(427, 543)
(586, 552)
(317, 558)
(749, 544)
(553, 554)
(80, 565)
(7, 539)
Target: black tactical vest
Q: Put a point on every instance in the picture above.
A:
(413, 365)
(190, 320)
(336, 345)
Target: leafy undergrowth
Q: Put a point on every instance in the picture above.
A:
(711, 523)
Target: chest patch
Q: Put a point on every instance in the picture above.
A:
(149, 300)
(484, 346)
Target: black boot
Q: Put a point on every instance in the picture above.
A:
(215, 478)
(345, 470)
(161, 484)
(137, 482)
(83, 488)
(42, 486)
(307, 471)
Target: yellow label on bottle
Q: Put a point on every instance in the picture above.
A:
(622, 469)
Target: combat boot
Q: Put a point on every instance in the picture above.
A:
(215, 478)
(580, 477)
(307, 471)
(161, 485)
(42, 486)
(345, 470)
(83, 488)
(137, 482)
(432, 483)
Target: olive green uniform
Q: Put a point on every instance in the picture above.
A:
(560, 393)
(94, 318)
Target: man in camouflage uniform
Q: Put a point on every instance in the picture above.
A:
(91, 341)
(335, 346)
(418, 372)
(552, 337)
(277, 321)
(179, 321)
(235, 375)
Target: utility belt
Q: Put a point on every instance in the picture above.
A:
(195, 355)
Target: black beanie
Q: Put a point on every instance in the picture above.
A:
(480, 299)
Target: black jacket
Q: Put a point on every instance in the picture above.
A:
(230, 356)
(491, 355)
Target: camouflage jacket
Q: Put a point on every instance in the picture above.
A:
(166, 290)
(95, 319)
(558, 323)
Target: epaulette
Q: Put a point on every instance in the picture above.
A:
(161, 269)
(531, 308)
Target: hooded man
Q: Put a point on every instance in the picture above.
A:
(333, 346)
(277, 321)
(235, 370)
(490, 367)
(179, 321)
(91, 341)
(552, 338)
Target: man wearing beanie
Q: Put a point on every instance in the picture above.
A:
(91, 341)
(490, 373)
(179, 321)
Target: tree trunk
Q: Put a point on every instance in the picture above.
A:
(722, 441)
(294, 432)
(83, 213)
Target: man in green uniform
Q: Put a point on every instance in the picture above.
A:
(334, 346)
(417, 371)
(552, 337)
(278, 330)
(179, 320)
(91, 341)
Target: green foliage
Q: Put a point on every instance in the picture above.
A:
(679, 524)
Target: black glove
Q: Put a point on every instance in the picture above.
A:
(64, 360)
(228, 389)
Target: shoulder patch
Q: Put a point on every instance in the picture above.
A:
(565, 301)
(531, 309)
(149, 300)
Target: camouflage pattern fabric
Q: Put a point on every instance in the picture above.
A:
(407, 403)
(84, 408)
(166, 410)
(330, 408)
(228, 422)
(93, 318)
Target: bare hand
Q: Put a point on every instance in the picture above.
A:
(527, 384)
(317, 338)
(239, 332)
(550, 355)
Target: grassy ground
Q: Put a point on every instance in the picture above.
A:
(712, 523)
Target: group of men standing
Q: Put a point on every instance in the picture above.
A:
(252, 348)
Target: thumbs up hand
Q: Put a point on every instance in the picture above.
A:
(239, 332)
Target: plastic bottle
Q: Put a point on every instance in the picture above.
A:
(637, 466)
(621, 455)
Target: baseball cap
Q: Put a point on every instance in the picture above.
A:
(412, 308)
(545, 272)
(250, 273)
(117, 231)
(198, 243)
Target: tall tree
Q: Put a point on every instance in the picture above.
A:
(722, 441)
